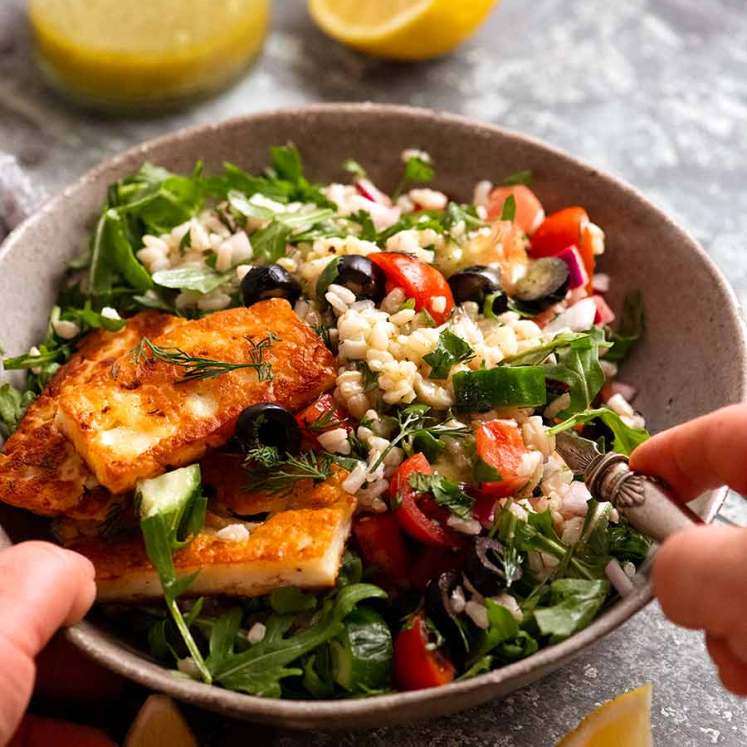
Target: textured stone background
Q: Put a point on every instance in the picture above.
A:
(653, 90)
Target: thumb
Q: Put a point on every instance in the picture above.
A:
(42, 587)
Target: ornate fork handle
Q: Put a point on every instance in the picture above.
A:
(646, 502)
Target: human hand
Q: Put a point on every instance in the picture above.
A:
(700, 575)
(42, 587)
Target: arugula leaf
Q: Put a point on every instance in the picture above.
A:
(13, 404)
(629, 330)
(578, 367)
(202, 279)
(445, 492)
(534, 356)
(574, 603)
(520, 177)
(290, 600)
(625, 437)
(87, 318)
(501, 627)
(451, 350)
(260, 669)
(509, 209)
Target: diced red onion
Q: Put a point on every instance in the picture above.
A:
(618, 578)
(577, 275)
(600, 282)
(371, 192)
(604, 314)
(628, 391)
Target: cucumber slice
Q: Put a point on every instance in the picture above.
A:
(362, 655)
(169, 495)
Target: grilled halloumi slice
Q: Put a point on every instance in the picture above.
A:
(300, 546)
(142, 417)
(40, 470)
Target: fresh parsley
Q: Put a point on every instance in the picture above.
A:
(509, 209)
(451, 350)
(445, 492)
(417, 170)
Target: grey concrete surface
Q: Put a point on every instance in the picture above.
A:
(653, 90)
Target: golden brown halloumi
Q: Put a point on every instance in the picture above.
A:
(300, 546)
(141, 418)
(40, 470)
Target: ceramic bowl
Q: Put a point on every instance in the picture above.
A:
(691, 360)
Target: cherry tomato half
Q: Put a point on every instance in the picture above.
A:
(416, 664)
(499, 445)
(383, 546)
(323, 415)
(417, 513)
(529, 210)
(418, 280)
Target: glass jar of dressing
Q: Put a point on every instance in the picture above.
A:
(145, 56)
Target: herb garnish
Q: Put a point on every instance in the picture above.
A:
(625, 437)
(417, 169)
(445, 492)
(270, 472)
(197, 368)
(451, 350)
(415, 425)
(509, 209)
(520, 177)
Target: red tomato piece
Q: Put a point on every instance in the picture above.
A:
(484, 508)
(529, 210)
(499, 444)
(418, 280)
(559, 230)
(417, 513)
(331, 415)
(383, 546)
(416, 665)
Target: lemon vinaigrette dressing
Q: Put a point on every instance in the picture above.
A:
(146, 55)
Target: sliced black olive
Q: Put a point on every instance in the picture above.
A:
(270, 281)
(545, 283)
(267, 424)
(474, 283)
(484, 567)
(439, 610)
(356, 273)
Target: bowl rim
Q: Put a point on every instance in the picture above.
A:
(118, 656)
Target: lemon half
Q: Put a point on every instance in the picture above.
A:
(400, 29)
(624, 721)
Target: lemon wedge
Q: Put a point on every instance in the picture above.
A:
(400, 29)
(159, 722)
(145, 54)
(624, 721)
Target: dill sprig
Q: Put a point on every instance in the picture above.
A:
(269, 472)
(197, 368)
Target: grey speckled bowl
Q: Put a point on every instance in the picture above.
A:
(692, 359)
